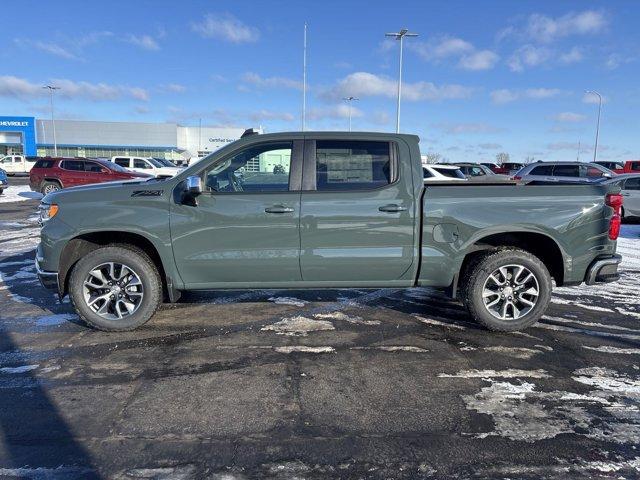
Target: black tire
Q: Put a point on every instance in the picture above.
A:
(477, 274)
(135, 259)
(48, 187)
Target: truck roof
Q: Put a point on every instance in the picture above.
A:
(331, 134)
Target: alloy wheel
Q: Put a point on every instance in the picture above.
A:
(510, 292)
(113, 290)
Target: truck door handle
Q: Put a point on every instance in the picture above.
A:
(278, 209)
(392, 208)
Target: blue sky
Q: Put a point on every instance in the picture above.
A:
(481, 78)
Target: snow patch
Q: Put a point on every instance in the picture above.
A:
(514, 352)
(19, 193)
(56, 319)
(431, 321)
(341, 316)
(288, 301)
(304, 349)
(487, 374)
(21, 369)
(298, 326)
(608, 349)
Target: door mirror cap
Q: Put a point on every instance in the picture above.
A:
(194, 185)
(607, 175)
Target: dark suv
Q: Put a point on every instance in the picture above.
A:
(51, 174)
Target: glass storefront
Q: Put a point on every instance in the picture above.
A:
(97, 152)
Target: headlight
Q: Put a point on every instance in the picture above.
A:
(47, 211)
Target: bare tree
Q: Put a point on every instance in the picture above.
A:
(432, 157)
(528, 159)
(502, 157)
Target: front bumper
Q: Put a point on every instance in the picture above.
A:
(603, 270)
(47, 279)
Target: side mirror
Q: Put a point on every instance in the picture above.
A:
(606, 175)
(194, 185)
(193, 188)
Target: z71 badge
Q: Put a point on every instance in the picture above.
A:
(147, 193)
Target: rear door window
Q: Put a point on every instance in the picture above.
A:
(593, 172)
(542, 170)
(566, 171)
(635, 166)
(75, 165)
(449, 172)
(353, 165)
(123, 162)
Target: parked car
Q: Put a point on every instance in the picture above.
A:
(480, 173)
(360, 216)
(615, 167)
(442, 173)
(13, 164)
(565, 172)
(52, 174)
(508, 168)
(152, 166)
(631, 166)
(630, 184)
(490, 165)
(4, 181)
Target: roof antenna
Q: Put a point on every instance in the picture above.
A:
(248, 132)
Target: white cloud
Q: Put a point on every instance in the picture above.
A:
(545, 29)
(482, 60)
(574, 55)
(271, 115)
(490, 146)
(146, 42)
(67, 48)
(528, 56)
(569, 117)
(446, 47)
(614, 60)
(271, 82)
(335, 112)
(56, 50)
(173, 88)
(21, 88)
(364, 84)
(458, 128)
(442, 48)
(225, 27)
(563, 146)
(505, 95)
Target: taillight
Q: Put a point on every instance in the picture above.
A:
(614, 200)
(614, 226)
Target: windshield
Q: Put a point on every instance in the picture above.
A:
(163, 162)
(155, 162)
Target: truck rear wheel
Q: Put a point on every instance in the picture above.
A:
(507, 289)
(115, 288)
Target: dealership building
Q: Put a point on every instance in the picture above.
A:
(80, 138)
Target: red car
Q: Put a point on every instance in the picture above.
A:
(50, 174)
(630, 166)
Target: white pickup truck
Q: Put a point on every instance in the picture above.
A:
(158, 167)
(13, 164)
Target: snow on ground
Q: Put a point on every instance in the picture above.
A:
(18, 193)
(19, 237)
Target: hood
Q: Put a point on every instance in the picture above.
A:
(168, 170)
(106, 188)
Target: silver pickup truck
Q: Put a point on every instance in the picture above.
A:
(323, 210)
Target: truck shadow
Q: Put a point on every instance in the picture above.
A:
(38, 443)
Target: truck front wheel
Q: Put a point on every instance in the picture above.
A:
(507, 289)
(115, 288)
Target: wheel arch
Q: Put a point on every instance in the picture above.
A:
(79, 246)
(542, 246)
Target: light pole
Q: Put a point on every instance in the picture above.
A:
(304, 78)
(51, 88)
(400, 36)
(595, 147)
(349, 100)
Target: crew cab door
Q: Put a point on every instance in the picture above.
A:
(631, 193)
(244, 231)
(358, 213)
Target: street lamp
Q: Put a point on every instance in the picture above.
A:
(349, 100)
(51, 88)
(400, 36)
(595, 147)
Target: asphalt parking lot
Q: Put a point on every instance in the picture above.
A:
(315, 384)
